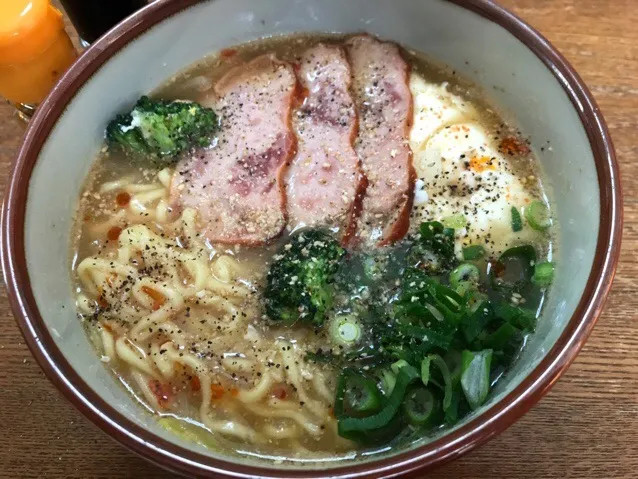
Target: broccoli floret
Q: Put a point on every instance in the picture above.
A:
(161, 130)
(300, 280)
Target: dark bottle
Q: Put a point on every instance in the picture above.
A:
(93, 18)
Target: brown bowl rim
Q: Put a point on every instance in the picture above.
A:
(185, 461)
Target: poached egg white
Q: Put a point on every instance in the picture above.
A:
(461, 174)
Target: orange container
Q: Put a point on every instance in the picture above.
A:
(34, 50)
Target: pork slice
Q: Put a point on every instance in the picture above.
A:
(324, 177)
(237, 186)
(384, 105)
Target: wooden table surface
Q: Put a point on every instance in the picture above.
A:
(587, 426)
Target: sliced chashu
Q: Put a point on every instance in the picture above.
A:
(384, 105)
(324, 177)
(237, 186)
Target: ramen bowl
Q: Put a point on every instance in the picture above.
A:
(520, 71)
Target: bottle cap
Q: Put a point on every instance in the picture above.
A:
(27, 28)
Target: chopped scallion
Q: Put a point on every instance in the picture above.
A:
(425, 370)
(447, 379)
(354, 427)
(435, 312)
(397, 366)
(388, 380)
(465, 288)
(517, 221)
(452, 413)
(521, 318)
(420, 407)
(499, 338)
(454, 361)
(543, 274)
(463, 273)
(356, 395)
(538, 215)
(345, 330)
(475, 379)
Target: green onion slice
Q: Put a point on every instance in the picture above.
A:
(475, 323)
(465, 288)
(396, 367)
(520, 318)
(357, 395)
(543, 274)
(421, 407)
(447, 379)
(517, 221)
(452, 414)
(345, 330)
(425, 370)
(354, 427)
(438, 315)
(499, 338)
(475, 379)
(538, 215)
(465, 272)
(475, 301)
(388, 380)
(454, 361)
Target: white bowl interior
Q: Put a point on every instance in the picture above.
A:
(515, 79)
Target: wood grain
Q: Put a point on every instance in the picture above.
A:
(586, 427)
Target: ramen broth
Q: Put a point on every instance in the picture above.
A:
(181, 321)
